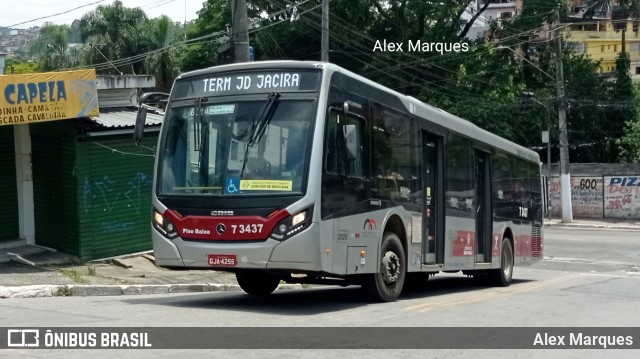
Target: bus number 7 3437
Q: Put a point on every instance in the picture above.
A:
(246, 228)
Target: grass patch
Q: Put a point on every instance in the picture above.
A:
(91, 271)
(73, 274)
(63, 291)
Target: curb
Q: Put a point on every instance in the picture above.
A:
(39, 291)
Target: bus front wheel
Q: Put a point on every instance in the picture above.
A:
(501, 277)
(257, 283)
(386, 284)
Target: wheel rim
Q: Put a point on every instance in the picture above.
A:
(507, 261)
(390, 267)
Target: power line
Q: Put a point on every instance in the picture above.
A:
(49, 16)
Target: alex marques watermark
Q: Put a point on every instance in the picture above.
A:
(579, 339)
(385, 45)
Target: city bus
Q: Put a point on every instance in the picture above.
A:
(304, 172)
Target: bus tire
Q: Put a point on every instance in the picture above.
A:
(257, 283)
(501, 277)
(386, 285)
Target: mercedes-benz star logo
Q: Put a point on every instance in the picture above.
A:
(220, 228)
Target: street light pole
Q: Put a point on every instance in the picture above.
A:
(547, 140)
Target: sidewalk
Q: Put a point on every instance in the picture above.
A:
(31, 271)
(632, 224)
(36, 272)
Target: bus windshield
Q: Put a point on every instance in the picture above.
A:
(235, 147)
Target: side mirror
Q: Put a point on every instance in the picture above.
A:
(141, 119)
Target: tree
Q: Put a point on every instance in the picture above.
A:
(204, 37)
(162, 62)
(114, 32)
(629, 144)
(52, 48)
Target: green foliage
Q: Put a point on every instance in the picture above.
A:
(52, 48)
(483, 85)
(76, 276)
(161, 34)
(63, 291)
(629, 144)
(17, 66)
(202, 47)
(114, 32)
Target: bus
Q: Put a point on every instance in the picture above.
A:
(305, 172)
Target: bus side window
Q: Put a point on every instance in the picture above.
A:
(344, 145)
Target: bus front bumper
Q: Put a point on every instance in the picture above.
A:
(300, 252)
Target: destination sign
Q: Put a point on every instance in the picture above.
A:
(247, 83)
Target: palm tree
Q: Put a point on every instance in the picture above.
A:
(114, 33)
(163, 62)
(52, 48)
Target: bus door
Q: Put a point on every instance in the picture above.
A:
(484, 223)
(433, 213)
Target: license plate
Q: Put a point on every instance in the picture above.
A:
(222, 260)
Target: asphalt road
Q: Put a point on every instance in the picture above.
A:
(589, 278)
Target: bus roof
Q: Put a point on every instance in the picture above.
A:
(412, 105)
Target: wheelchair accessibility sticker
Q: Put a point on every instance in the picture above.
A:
(232, 185)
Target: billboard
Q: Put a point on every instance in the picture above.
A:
(622, 196)
(586, 196)
(47, 96)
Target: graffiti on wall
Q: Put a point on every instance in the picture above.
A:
(104, 195)
(586, 196)
(622, 197)
(599, 197)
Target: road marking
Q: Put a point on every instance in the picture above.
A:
(454, 299)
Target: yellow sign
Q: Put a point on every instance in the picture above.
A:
(48, 96)
(266, 185)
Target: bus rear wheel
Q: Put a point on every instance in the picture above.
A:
(386, 284)
(501, 277)
(257, 283)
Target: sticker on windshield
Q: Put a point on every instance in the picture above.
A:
(231, 185)
(220, 109)
(266, 185)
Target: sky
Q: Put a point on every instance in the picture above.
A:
(13, 12)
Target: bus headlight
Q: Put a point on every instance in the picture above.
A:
(164, 225)
(292, 225)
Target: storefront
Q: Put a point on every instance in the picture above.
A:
(73, 180)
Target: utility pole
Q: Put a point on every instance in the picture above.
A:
(240, 36)
(565, 176)
(2, 58)
(325, 32)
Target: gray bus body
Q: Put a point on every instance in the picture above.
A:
(386, 188)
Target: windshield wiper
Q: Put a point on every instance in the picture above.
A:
(200, 140)
(265, 118)
(260, 125)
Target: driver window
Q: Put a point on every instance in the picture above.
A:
(344, 152)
